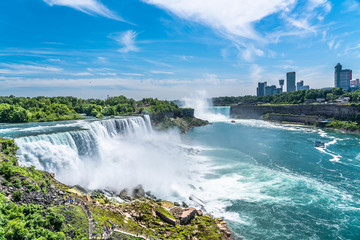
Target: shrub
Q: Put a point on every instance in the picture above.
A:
(17, 196)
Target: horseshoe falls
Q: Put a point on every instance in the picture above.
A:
(268, 180)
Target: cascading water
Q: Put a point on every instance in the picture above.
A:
(111, 154)
(204, 110)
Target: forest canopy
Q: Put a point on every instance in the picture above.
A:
(296, 97)
(42, 109)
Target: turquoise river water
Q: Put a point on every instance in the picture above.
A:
(268, 181)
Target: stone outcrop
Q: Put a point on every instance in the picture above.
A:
(165, 218)
(125, 194)
(183, 112)
(295, 118)
(187, 215)
(225, 232)
(340, 112)
(138, 192)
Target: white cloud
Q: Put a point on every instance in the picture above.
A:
(20, 69)
(351, 6)
(127, 39)
(81, 74)
(237, 20)
(91, 7)
(161, 72)
(133, 74)
(234, 17)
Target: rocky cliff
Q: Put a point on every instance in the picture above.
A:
(340, 112)
(33, 205)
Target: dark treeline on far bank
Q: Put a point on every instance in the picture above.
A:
(39, 109)
(296, 97)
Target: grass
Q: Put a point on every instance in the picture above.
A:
(77, 225)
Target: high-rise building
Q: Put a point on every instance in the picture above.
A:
(260, 91)
(300, 86)
(342, 77)
(281, 83)
(272, 90)
(290, 82)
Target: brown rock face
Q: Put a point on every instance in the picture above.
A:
(166, 218)
(177, 212)
(187, 215)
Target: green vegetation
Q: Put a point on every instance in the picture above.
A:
(344, 125)
(40, 109)
(296, 97)
(29, 221)
(183, 124)
(26, 214)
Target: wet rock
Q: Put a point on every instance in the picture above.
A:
(184, 205)
(199, 213)
(177, 204)
(187, 215)
(125, 194)
(138, 192)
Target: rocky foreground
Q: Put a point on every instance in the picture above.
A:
(33, 205)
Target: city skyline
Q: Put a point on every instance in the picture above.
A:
(171, 49)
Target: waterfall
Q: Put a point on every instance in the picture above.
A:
(108, 154)
(204, 109)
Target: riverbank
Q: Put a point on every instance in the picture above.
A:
(342, 117)
(47, 208)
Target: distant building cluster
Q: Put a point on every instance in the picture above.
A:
(264, 90)
(342, 79)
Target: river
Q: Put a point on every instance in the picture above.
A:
(268, 181)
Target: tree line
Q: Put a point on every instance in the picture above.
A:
(43, 109)
(296, 97)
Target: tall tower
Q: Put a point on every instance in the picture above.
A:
(281, 83)
(261, 89)
(290, 82)
(342, 77)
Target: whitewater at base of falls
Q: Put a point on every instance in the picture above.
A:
(111, 154)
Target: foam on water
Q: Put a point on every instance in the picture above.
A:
(335, 157)
(112, 154)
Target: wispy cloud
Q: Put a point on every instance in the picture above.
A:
(127, 40)
(161, 72)
(351, 6)
(237, 20)
(133, 74)
(234, 17)
(91, 7)
(20, 69)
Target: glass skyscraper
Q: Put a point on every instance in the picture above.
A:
(290, 82)
(342, 77)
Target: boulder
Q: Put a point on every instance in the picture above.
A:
(138, 192)
(187, 215)
(184, 205)
(166, 218)
(177, 212)
(125, 195)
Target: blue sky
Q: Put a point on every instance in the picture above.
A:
(172, 48)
